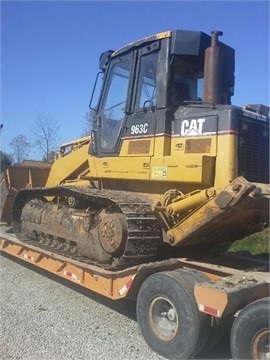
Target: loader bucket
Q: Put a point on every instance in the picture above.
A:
(15, 178)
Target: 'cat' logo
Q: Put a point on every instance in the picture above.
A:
(192, 127)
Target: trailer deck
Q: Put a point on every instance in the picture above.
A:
(227, 273)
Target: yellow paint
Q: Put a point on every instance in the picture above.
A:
(185, 169)
(226, 162)
(69, 166)
(164, 35)
(123, 167)
(167, 160)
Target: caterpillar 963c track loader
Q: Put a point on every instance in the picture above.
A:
(170, 165)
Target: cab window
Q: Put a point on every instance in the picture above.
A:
(147, 84)
(187, 80)
(113, 111)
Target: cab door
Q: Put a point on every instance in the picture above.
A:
(113, 107)
(141, 122)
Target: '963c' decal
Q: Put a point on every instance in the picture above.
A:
(139, 129)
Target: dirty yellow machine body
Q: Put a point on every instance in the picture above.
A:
(170, 163)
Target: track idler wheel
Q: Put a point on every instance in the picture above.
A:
(112, 233)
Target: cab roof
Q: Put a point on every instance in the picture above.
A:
(183, 42)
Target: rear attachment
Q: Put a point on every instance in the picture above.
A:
(213, 216)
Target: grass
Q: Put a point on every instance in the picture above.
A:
(257, 243)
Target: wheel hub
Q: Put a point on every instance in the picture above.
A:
(163, 318)
(261, 346)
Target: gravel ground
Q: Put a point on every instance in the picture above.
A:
(47, 318)
(44, 319)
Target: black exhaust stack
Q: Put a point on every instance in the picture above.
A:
(213, 70)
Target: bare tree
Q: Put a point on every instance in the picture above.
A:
(21, 148)
(89, 118)
(46, 137)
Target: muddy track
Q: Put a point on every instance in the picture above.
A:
(113, 229)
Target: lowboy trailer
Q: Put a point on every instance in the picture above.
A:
(184, 305)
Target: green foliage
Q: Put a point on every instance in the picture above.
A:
(257, 243)
(5, 160)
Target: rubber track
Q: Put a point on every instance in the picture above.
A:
(144, 232)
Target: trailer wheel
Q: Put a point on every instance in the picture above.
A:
(206, 336)
(168, 315)
(250, 332)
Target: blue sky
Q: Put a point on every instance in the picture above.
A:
(50, 52)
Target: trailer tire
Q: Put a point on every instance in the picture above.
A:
(206, 336)
(250, 331)
(168, 315)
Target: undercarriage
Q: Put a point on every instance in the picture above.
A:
(114, 229)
